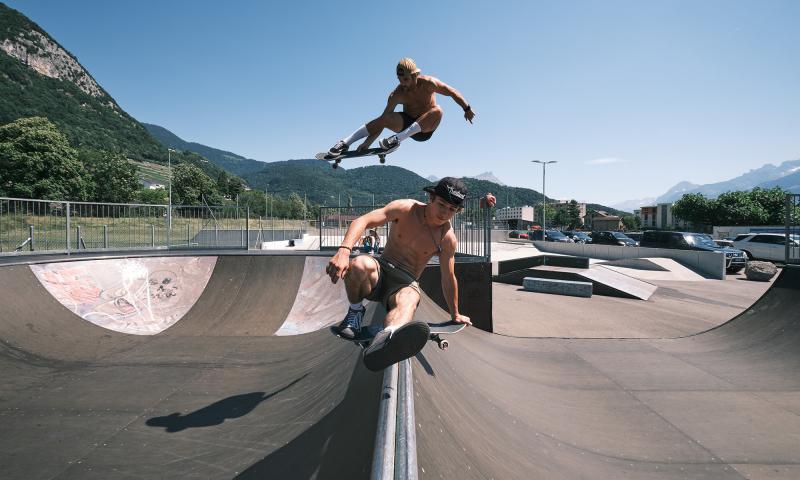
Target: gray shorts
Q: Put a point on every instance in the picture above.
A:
(391, 278)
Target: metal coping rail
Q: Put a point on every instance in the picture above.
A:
(384, 453)
(395, 454)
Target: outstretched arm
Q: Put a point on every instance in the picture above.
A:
(444, 89)
(449, 283)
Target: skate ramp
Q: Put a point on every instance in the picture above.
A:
(217, 395)
(604, 281)
(724, 404)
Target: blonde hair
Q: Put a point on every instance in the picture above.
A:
(407, 66)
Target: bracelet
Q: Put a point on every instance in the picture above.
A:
(348, 248)
(467, 109)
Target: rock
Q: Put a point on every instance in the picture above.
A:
(760, 271)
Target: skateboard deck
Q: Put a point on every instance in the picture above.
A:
(337, 159)
(437, 330)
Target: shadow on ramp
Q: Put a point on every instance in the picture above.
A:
(232, 407)
(338, 446)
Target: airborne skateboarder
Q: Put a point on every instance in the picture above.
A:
(419, 231)
(420, 116)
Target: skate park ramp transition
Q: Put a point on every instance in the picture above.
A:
(247, 383)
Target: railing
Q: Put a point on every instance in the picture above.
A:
(793, 228)
(62, 227)
(471, 227)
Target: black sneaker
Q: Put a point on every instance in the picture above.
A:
(338, 149)
(389, 348)
(389, 143)
(350, 327)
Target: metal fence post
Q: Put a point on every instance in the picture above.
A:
(188, 242)
(788, 216)
(153, 236)
(105, 236)
(69, 227)
(247, 226)
(79, 237)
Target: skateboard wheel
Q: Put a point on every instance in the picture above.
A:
(382, 158)
(444, 344)
(335, 165)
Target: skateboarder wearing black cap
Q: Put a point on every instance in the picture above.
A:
(419, 231)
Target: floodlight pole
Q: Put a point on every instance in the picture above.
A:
(544, 198)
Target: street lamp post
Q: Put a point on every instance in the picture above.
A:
(544, 198)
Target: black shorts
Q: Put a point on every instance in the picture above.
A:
(391, 278)
(407, 121)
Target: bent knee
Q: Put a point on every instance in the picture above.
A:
(407, 297)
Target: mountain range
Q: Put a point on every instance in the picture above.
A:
(786, 175)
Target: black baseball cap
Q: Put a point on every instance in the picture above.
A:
(451, 190)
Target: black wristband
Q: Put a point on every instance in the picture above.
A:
(467, 109)
(348, 248)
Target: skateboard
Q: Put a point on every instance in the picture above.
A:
(337, 159)
(436, 332)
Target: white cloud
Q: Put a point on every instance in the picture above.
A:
(605, 161)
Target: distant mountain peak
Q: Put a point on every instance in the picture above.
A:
(29, 44)
(489, 177)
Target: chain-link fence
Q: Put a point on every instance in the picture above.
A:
(61, 227)
(793, 228)
(471, 227)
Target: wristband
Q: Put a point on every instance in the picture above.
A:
(467, 109)
(348, 248)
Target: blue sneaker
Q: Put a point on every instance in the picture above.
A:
(350, 327)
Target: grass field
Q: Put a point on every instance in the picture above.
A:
(152, 172)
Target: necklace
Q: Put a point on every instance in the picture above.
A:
(425, 222)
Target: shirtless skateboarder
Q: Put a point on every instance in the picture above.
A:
(419, 118)
(419, 231)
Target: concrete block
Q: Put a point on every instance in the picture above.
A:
(558, 287)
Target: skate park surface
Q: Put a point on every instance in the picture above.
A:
(248, 383)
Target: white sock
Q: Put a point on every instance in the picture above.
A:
(391, 329)
(357, 306)
(357, 135)
(411, 130)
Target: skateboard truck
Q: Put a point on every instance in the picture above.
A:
(441, 342)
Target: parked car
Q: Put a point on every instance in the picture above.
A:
(612, 238)
(767, 246)
(517, 234)
(552, 236)
(578, 237)
(636, 236)
(735, 260)
(724, 242)
(556, 236)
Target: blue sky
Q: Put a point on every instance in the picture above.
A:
(630, 97)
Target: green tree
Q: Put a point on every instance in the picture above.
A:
(190, 186)
(255, 201)
(156, 196)
(632, 223)
(113, 177)
(738, 208)
(560, 219)
(773, 201)
(297, 208)
(695, 208)
(36, 161)
(573, 215)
